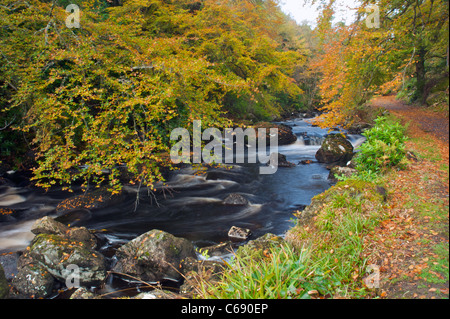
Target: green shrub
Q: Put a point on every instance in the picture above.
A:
(384, 148)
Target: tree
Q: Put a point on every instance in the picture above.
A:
(358, 61)
(107, 95)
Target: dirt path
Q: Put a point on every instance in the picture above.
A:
(412, 245)
(428, 121)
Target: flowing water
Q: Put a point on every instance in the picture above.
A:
(191, 204)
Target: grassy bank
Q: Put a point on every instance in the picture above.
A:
(377, 235)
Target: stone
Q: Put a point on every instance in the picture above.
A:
(335, 149)
(218, 249)
(285, 134)
(235, 200)
(56, 253)
(154, 256)
(99, 198)
(239, 233)
(33, 281)
(82, 293)
(341, 171)
(48, 225)
(282, 161)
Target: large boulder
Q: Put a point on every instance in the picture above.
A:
(58, 255)
(336, 150)
(285, 134)
(154, 256)
(49, 226)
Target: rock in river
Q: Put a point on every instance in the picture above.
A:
(54, 254)
(239, 233)
(154, 256)
(235, 200)
(336, 149)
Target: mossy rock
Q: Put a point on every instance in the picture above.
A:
(352, 188)
(56, 254)
(154, 256)
(335, 149)
(255, 249)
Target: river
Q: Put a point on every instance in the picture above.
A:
(191, 207)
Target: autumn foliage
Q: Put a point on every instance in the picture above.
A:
(107, 95)
(403, 49)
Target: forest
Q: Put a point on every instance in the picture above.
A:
(135, 70)
(88, 86)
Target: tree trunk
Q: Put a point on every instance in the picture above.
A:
(420, 75)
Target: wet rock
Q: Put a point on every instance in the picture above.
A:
(48, 225)
(218, 249)
(82, 234)
(4, 288)
(9, 263)
(335, 149)
(82, 293)
(239, 233)
(56, 253)
(282, 161)
(153, 256)
(235, 200)
(285, 134)
(32, 280)
(342, 172)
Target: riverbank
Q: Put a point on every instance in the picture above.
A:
(382, 239)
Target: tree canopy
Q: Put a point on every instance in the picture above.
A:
(108, 94)
(406, 52)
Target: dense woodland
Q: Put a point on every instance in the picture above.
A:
(110, 92)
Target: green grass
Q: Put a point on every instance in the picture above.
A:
(326, 256)
(284, 273)
(438, 267)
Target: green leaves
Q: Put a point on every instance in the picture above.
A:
(108, 94)
(384, 148)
